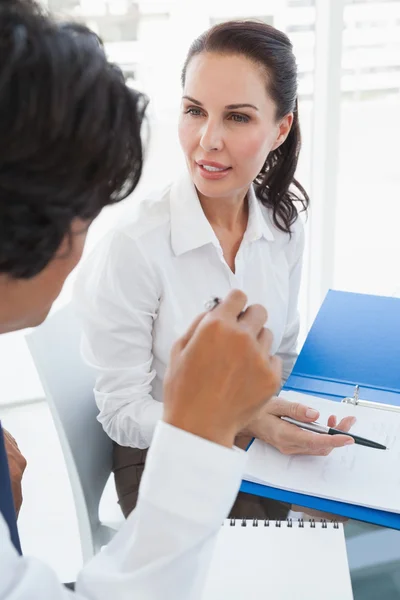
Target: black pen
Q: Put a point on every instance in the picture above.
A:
(212, 303)
(318, 428)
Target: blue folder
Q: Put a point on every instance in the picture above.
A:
(6, 497)
(355, 340)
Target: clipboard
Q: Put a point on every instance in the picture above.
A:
(351, 354)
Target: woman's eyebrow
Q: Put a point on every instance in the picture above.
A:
(228, 107)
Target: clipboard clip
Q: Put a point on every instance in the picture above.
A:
(356, 401)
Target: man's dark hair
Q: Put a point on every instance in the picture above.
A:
(69, 134)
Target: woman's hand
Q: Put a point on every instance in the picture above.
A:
(290, 439)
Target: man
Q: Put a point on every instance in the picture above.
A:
(70, 145)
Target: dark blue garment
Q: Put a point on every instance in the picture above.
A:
(6, 498)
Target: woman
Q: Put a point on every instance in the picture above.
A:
(230, 221)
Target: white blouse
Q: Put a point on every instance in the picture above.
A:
(143, 285)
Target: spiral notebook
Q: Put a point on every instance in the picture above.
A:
(279, 560)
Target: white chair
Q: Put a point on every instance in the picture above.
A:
(68, 384)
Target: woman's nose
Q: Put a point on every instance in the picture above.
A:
(212, 138)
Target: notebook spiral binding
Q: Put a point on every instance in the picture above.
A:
(300, 523)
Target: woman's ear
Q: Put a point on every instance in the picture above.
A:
(284, 128)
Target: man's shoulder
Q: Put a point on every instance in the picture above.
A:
(150, 215)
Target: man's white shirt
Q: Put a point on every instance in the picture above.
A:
(163, 550)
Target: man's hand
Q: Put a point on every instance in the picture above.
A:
(17, 464)
(290, 439)
(221, 372)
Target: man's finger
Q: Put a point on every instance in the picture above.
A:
(276, 366)
(295, 410)
(232, 306)
(254, 318)
(187, 336)
(265, 339)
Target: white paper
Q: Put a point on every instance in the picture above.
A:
(279, 563)
(355, 474)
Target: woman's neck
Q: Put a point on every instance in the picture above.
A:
(229, 214)
(228, 217)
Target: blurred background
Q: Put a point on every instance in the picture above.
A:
(348, 54)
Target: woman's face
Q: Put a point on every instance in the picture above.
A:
(227, 125)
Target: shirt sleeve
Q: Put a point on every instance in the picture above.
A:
(117, 305)
(164, 548)
(188, 488)
(287, 350)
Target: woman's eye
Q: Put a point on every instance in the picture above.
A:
(195, 112)
(240, 118)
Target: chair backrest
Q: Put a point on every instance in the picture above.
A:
(68, 384)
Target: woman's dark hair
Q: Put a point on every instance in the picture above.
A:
(70, 128)
(264, 45)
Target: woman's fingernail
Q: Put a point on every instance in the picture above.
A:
(353, 421)
(311, 413)
(349, 441)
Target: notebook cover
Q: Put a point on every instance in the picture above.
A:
(353, 340)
